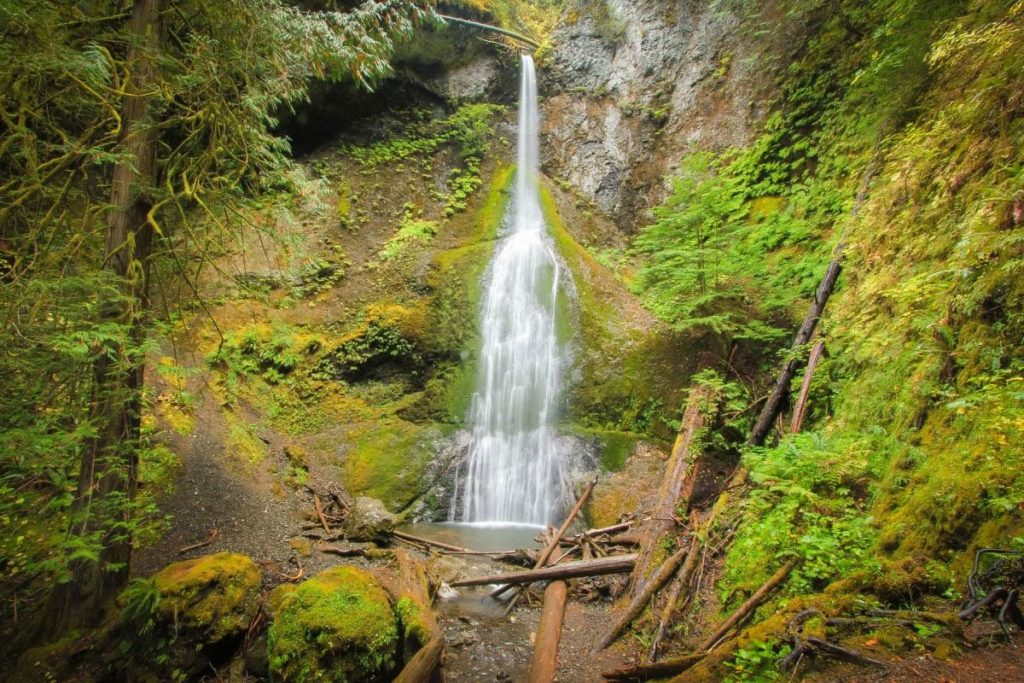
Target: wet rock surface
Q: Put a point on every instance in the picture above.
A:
(631, 86)
(369, 520)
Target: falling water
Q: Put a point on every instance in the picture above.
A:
(516, 470)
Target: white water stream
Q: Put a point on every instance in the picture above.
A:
(517, 470)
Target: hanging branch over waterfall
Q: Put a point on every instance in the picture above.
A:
(518, 37)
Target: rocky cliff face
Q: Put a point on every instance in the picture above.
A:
(631, 86)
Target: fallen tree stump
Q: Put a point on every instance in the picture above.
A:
(677, 471)
(424, 664)
(616, 564)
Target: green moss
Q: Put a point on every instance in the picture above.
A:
(901, 582)
(389, 461)
(215, 596)
(615, 447)
(241, 440)
(415, 622)
(456, 278)
(630, 366)
(337, 626)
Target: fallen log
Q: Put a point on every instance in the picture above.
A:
(519, 37)
(667, 570)
(616, 564)
(549, 633)
(682, 584)
(545, 554)
(663, 518)
(423, 665)
(800, 410)
(350, 551)
(647, 672)
(774, 403)
(210, 538)
(752, 602)
(601, 531)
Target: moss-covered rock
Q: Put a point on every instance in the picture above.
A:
(337, 626)
(390, 461)
(208, 599)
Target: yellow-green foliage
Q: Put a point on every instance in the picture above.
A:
(930, 325)
(386, 332)
(240, 440)
(215, 596)
(921, 458)
(337, 626)
(534, 18)
(411, 234)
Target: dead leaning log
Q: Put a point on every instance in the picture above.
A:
(647, 672)
(616, 564)
(663, 518)
(519, 37)
(549, 633)
(422, 658)
(682, 584)
(776, 400)
(800, 410)
(747, 607)
(666, 572)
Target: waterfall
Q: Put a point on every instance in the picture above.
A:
(517, 467)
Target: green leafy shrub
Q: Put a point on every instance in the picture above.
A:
(808, 502)
(258, 351)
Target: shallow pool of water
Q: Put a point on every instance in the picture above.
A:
(487, 536)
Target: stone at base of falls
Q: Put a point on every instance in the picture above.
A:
(337, 626)
(369, 520)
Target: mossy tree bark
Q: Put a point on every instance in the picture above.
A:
(108, 471)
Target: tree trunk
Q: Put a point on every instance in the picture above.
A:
(423, 667)
(108, 471)
(752, 602)
(549, 633)
(800, 410)
(647, 672)
(678, 471)
(776, 400)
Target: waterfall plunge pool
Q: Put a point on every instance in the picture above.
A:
(484, 536)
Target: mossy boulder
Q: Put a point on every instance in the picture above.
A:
(209, 599)
(369, 520)
(337, 626)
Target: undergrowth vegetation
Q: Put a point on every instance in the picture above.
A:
(898, 137)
